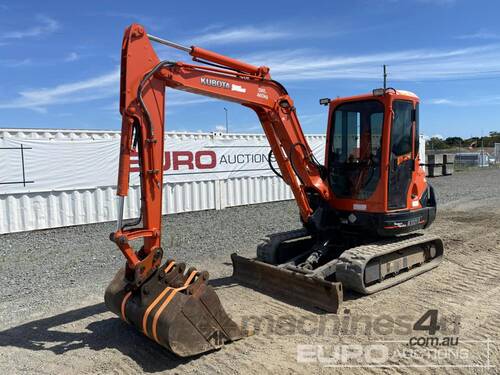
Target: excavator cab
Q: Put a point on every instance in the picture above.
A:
(373, 164)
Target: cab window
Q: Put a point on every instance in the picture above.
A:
(402, 128)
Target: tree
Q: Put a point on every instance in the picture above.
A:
(436, 143)
(454, 141)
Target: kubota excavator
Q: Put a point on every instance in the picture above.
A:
(361, 211)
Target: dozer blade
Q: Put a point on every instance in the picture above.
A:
(293, 287)
(177, 310)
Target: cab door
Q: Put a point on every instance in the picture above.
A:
(402, 153)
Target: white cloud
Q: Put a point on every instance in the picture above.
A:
(46, 25)
(430, 2)
(440, 101)
(80, 91)
(72, 56)
(439, 136)
(100, 87)
(314, 119)
(438, 2)
(220, 128)
(481, 34)
(472, 102)
(152, 23)
(10, 63)
(422, 64)
(239, 35)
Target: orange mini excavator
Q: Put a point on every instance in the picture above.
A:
(362, 211)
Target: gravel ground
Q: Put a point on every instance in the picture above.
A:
(84, 253)
(53, 320)
(473, 184)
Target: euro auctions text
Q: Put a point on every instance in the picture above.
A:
(430, 344)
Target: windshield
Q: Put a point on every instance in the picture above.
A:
(355, 148)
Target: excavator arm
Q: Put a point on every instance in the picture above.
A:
(142, 105)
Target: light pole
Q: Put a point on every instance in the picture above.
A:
(227, 123)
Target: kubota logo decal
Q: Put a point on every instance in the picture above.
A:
(215, 83)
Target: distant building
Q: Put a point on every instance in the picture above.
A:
(472, 159)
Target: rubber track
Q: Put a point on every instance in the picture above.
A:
(266, 250)
(351, 266)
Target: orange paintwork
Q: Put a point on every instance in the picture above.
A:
(238, 82)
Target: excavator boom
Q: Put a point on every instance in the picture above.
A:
(142, 105)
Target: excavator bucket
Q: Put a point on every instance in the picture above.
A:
(176, 309)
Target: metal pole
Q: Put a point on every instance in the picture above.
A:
(459, 164)
(169, 43)
(482, 149)
(119, 221)
(385, 77)
(22, 161)
(227, 123)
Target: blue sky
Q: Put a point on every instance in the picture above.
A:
(59, 59)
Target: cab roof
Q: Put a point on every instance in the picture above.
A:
(389, 91)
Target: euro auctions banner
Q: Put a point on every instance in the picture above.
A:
(53, 165)
(40, 165)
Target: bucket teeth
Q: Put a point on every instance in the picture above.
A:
(177, 309)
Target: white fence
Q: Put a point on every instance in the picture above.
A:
(45, 201)
(56, 178)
